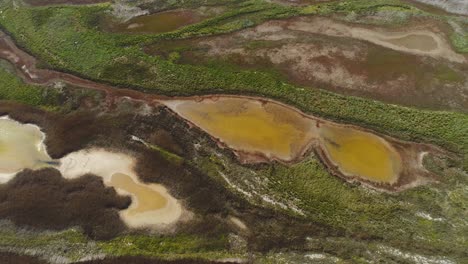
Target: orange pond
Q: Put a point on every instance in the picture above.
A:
(283, 133)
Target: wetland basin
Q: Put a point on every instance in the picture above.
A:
(250, 126)
(154, 23)
(151, 206)
(21, 147)
(260, 130)
(360, 153)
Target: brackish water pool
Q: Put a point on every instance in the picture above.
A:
(151, 205)
(21, 147)
(360, 153)
(250, 125)
(148, 197)
(279, 132)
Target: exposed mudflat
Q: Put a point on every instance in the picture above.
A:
(413, 66)
(416, 41)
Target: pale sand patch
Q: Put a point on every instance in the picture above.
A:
(404, 41)
(21, 147)
(106, 164)
(236, 221)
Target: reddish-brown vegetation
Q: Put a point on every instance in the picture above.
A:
(44, 199)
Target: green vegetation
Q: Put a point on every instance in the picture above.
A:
(307, 190)
(356, 6)
(460, 42)
(13, 89)
(166, 247)
(391, 217)
(71, 244)
(74, 245)
(444, 73)
(169, 156)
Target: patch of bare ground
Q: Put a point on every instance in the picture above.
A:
(319, 52)
(63, 2)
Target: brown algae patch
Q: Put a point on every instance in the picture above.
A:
(260, 130)
(250, 126)
(151, 206)
(21, 147)
(360, 153)
(154, 23)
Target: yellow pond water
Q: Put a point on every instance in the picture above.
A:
(276, 130)
(146, 198)
(360, 153)
(151, 204)
(249, 126)
(21, 147)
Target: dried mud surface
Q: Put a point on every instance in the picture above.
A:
(323, 53)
